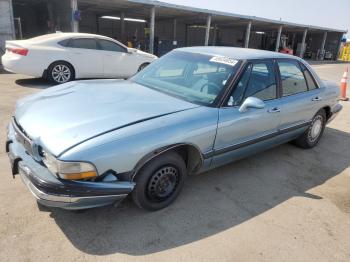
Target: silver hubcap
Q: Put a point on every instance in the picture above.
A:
(316, 128)
(61, 73)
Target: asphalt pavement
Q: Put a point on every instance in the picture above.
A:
(285, 204)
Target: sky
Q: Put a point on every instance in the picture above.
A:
(332, 14)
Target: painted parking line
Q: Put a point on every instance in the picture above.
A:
(324, 66)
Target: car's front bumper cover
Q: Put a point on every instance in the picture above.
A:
(55, 192)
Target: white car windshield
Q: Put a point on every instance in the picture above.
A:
(193, 77)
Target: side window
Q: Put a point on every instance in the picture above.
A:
(238, 92)
(262, 82)
(293, 81)
(258, 81)
(311, 84)
(111, 46)
(85, 43)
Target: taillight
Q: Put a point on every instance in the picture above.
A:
(19, 51)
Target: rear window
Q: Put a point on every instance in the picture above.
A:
(85, 43)
(110, 46)
(64, 42)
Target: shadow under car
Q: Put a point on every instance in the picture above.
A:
(211, 202)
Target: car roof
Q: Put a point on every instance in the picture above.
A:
(235, 52)
(62, 36)
(59, 34)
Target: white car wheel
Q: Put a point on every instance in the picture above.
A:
(60, 72)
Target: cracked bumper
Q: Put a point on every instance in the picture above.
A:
(55, 192)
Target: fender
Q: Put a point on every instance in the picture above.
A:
(194, 159)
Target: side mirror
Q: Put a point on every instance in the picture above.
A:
(251, 102)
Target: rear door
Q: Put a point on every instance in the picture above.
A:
(86, 57)
(300, 95)
(117, 62)
(241, 134)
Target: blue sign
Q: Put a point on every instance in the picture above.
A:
(77, 15)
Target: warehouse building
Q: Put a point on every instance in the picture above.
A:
(158, 27)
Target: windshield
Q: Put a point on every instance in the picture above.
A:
(196, 78)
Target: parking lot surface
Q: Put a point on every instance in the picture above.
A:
(285, 204)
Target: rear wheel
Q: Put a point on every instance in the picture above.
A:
(159, 182)
(60, 72)
(313, 134)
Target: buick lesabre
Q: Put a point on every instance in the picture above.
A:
(90, 143)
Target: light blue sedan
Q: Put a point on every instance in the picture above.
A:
(91, 143)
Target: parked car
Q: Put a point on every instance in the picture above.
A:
(91, 143)
(63, 57)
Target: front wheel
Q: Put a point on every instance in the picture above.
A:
(313, 134)
(159, 182)
(143, 66)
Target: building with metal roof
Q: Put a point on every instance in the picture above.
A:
(158, 27)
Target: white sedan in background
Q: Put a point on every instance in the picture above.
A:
(62, 57)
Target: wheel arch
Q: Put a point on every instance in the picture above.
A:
(190, 153)
(328, 112)
(142, 64)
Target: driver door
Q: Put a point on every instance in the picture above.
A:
(243, 133)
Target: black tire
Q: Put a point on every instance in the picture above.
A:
(142, 66)
(159, 182)
(56, 68)
(309, 139)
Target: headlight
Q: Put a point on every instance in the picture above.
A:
(69, 170)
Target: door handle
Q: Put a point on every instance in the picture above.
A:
(317, 98)
(274, 110)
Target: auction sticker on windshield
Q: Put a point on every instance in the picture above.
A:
(224, 60)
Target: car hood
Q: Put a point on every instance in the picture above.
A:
(63, 116)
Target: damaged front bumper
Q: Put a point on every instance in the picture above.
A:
(55, 192)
